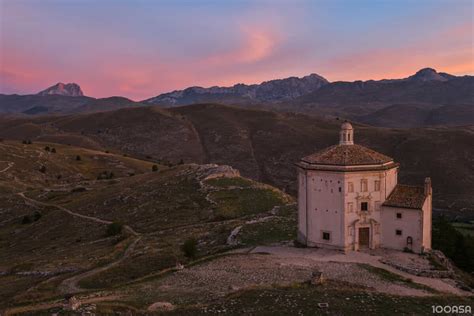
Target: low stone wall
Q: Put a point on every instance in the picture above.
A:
(420, 272)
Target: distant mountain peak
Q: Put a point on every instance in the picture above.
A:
(430, 74)
(68, 89)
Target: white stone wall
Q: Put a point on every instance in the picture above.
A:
(374, 197)
(411, 225)
(427, 222)
(301, 235)
(323, 206)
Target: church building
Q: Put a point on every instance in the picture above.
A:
(349, 199)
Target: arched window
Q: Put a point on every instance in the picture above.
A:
(409, 240)
(349, 137)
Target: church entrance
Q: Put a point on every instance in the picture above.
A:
(364, 237)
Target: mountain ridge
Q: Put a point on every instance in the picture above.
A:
(267, 91)
(278, 90)
(435, 98)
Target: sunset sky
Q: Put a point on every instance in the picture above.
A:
(139, 48)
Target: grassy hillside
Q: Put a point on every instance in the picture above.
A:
(68, 234)
(263, 145)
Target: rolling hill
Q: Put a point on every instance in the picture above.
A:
(262, 145)
(56, 104)
(65, 229)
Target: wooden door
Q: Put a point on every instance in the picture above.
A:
(364, 237)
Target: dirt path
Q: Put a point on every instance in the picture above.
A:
(325, 255)
(71, 285)
(10, 164)
(91, 218)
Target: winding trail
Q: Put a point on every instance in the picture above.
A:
(10, 164)
(71, 285)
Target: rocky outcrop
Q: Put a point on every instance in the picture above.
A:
(211, 171)
(161, 307)
(69, 89)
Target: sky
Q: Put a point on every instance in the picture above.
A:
(141, 48)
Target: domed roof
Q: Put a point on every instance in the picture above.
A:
(346, 125)
(347, 155)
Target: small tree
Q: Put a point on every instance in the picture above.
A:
(154, 168)
(53, 150)
(26, 220)
(78, 158)
(181, 162)
(36, 216)
(189, 248)
(47, 148)
(42, 169)
(114, 228)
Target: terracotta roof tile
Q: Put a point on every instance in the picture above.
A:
(347, 155)
(406, 196)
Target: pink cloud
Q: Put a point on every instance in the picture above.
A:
(256, 44)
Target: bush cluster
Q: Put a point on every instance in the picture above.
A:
(454, 244)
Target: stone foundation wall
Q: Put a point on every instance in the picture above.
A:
(430, 273)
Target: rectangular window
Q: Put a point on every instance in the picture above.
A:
(350, 207)
(364, 206)
(398, 232)
(363, 185)
(350, 187)
(326, 236)
(399, 215)
(340, 189)
(377, 185)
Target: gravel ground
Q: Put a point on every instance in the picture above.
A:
(229, 274)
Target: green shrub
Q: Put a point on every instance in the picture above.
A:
(26, 220)
(456, 246)
(104, 175)
(36, 216)
(114, 228)
(189, 248)
(154, 168)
